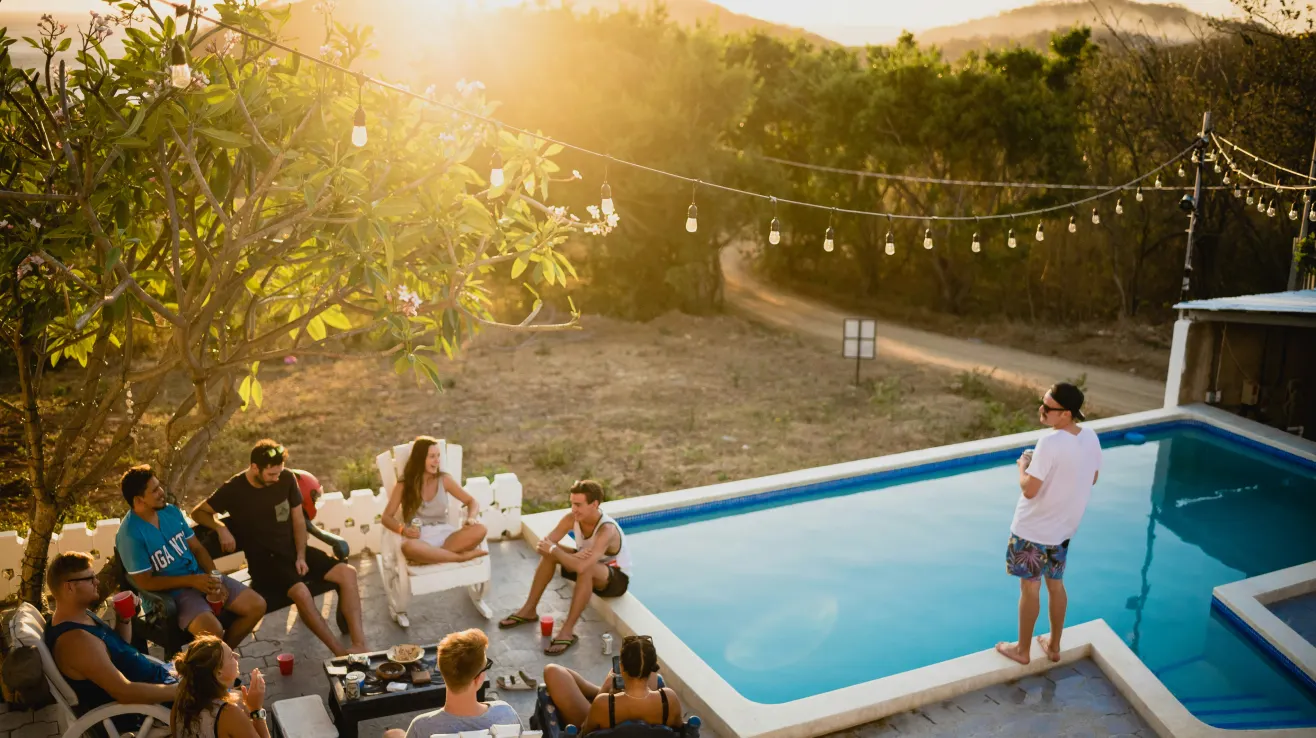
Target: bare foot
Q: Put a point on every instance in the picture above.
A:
(1045, 642)
(473, 554)
(1013, 652)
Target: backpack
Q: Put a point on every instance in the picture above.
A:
(24, 680)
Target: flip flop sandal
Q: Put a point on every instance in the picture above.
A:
(515, 621)
(565, 643)
(529, 680)
(511, 684)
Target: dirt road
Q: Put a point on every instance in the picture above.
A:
(1110, 391)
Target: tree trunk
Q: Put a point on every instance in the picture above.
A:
(44, 518)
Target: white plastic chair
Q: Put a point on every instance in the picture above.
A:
(404, 580)
(28, 628)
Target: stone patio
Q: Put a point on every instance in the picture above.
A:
(1068, 701)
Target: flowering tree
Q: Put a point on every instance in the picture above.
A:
(161, 223)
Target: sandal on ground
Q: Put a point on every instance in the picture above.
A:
(512, 683)
(565, 643)
(513, 620)
(527, 679)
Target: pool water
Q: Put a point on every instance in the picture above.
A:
(791, 599)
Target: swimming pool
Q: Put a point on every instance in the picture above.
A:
(830, 597)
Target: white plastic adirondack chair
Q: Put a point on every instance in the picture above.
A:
(28, 628)
(403, 580)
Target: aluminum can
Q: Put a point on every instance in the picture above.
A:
(352, 685)
(607, 644)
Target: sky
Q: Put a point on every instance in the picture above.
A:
(874, 21)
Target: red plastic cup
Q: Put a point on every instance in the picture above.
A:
(125, 605)
(285, 664)
(216, 606)
(546, 626)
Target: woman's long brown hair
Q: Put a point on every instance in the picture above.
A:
(413, 477)
(198, 683)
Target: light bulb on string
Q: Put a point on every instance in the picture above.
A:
(1250, 198)
(1311, 214)
(1261, 205)
(1238, 191)
(1137, 195)
(774, 228)
(692, 214)
(1119, 206)
(1039, 235)
(180, 73)
(927, 238)
(1158, 182)
(1010, 240)
(1226, 178)
(1096, 217)
(890, 238)
(359, 136)
(1270, 209)
(1181, 172)
(829, 239)
(605, 194)
(1073, 227)
(496, 178)
(976, 246)
(1293, 210)
(1218, 169)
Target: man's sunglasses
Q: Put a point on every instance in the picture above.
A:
(1048, 409)
(80, 579)
(488, 663)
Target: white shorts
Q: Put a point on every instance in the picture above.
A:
(435, 535)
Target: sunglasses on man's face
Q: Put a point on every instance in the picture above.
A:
(1048, 409)
(488, 663)
(87, 578)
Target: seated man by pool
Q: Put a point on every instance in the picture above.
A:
(1055, 482)
(601, 565)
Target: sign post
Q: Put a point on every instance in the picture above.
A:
(859, 342)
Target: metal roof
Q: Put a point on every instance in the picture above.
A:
(1299, 301)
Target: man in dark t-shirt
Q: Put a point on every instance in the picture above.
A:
(266, 522)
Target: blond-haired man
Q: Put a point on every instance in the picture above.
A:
(463, 663)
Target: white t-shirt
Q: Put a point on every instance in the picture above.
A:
(1066, 464)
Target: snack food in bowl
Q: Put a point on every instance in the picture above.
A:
(390, 670)
(405, 653)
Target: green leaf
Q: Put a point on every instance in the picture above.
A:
(315, 327)
(553, 150)
(334, 318)
(520, 265)
(64, 45)
(244, 391)
(224, 139)
(257, 394)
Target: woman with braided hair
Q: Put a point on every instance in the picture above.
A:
(641, 699)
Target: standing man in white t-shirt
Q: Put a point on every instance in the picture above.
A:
(1056, 481)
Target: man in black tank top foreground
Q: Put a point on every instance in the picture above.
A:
(599, 564)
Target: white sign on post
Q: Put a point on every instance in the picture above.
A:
(859, 341)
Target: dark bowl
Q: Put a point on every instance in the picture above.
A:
(390, 670)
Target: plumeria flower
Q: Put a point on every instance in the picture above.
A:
(593, 211)
(613, 219)
(408, 302)
(35, 223)
(575, 174)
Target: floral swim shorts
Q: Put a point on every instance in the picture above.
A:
(1029, 560)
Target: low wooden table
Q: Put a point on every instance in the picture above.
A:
(376, 702)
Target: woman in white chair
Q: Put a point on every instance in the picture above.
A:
(422, 498)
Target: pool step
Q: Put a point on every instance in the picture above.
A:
(1246, 711)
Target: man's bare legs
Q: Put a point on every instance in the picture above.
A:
(1030, 603)
(304, 601)
(349, 601)
(1057, 601)
(543, 575)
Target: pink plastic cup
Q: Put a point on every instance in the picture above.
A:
(125, 605)
(546, 626)
(285, 664)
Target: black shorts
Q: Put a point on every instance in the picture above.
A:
(272, 578)
(618, 581)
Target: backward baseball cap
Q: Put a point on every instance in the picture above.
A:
(1070, 397)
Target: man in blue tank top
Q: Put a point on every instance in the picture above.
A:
(96, 660)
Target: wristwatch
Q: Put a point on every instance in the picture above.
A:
(258, 714)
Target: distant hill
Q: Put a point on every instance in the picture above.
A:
(689, 12)
(1032, 26)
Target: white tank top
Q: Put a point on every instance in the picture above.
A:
(207, 725)
(622, 559)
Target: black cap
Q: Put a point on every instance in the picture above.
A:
(1069, 397)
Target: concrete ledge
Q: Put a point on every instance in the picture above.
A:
(731, 714)
(1246, 601)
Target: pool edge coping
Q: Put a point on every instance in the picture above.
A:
(732, 714)
(1244, 604)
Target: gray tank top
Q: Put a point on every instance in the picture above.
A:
(435, 511)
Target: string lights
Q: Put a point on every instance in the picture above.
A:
(180, 75)
(890, 239)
